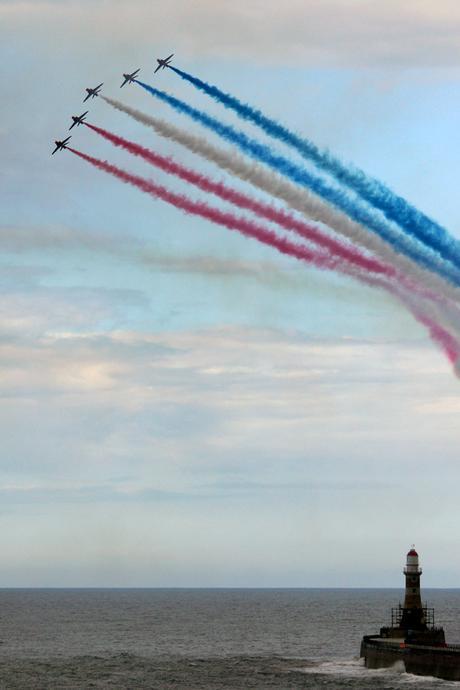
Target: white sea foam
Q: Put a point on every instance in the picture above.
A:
(355, 668)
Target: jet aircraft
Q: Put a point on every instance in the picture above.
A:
(78, 119)
(162, 63)
(61, 145)
(130, 77)
(93, 92)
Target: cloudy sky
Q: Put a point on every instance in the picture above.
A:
(181, 406)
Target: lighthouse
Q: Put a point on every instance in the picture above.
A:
(412, 639)
(413, 613)
(413, 621)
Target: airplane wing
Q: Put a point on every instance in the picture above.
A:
(56, 149)
(169, 57)
(99, 86)
(66, 140)
(125, 82)
(85, 113)
(159, 67)
(84, 100)
(72, 125)
(136, 72)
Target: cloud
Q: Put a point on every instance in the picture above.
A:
(23, 239)
(60, 492)
(213, 387)
(413, 33)
(34, 309)
(175, 426)
(221, 268)
(26, 238)
(49, 240)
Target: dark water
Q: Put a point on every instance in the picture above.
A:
(154, 638)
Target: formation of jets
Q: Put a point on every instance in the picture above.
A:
(92, 93)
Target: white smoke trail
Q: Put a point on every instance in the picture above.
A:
(300, 200)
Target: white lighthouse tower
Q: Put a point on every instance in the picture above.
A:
(412, 571)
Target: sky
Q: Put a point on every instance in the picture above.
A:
(180, 405)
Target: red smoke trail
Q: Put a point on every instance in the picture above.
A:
(437, 333)
(251, 229)
(229, 220)
(445, 339)
(280, 217)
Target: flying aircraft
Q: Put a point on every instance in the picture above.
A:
(162, 63)
(78, 119)
(93, 92)
(130, 77)
(61, 145)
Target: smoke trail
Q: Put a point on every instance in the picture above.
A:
(242, 225)
(251, 229)
(282, 218)
(441, 336)
(438, 334)
(303, 177)
(457, 368)
(395, 207)
(299, 199)
(286, 220)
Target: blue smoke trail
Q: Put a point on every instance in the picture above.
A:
(394, 207)
(301, 176)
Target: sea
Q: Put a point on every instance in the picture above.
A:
(203, 638)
